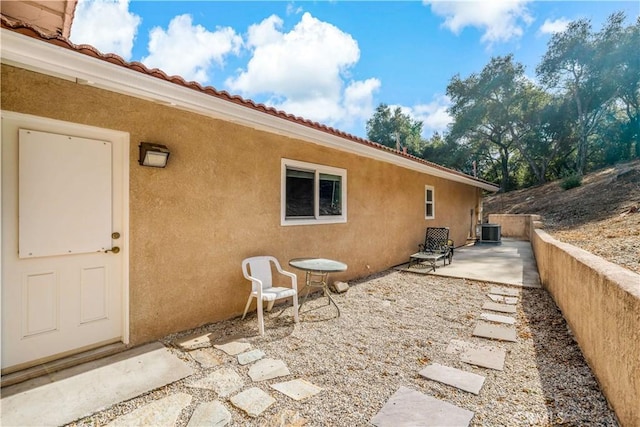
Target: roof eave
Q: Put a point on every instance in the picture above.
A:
(69, 64)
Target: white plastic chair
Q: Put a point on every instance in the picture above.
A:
(258, 271)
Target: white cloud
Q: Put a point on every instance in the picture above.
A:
(265, 33)
(305, 71)
(434, 115)
(358, 98)
(293, 10)
(552, 27)
(501, 20)
(107, 25)
(190, 50)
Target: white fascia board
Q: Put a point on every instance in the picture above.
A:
(35, 55)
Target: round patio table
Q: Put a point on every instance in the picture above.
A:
(317, 270)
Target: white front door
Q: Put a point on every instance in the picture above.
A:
(64, 203)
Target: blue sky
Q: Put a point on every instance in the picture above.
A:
(333, 61)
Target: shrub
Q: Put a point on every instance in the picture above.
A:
(571, 181)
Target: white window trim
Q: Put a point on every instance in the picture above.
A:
(433, 201)
(317, 169)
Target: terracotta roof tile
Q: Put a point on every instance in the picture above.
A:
(30, 31)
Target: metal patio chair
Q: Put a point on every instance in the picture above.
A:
(437, 246)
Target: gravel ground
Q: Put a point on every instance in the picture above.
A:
(601, 216)
(616, 239)
(392, 325)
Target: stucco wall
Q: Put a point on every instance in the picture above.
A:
(218, 201)
(601, 303)
(514, 225)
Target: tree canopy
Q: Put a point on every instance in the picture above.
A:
(581, 114)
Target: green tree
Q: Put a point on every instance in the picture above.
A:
(576, 63)
(395, 129)
(544, 131)
(625, 65)
(485, 107)
(447, 152)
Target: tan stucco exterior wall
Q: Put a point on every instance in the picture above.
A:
(218, 201)
(601, 303)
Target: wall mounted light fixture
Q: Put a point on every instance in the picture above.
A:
(154, 155)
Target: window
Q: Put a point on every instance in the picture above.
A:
(429, 202)
(313, 194)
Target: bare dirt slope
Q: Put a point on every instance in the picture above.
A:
(601, 216)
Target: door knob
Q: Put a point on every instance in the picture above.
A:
(114, 249)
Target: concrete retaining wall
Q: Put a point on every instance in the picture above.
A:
(601, 304)
(514, 225)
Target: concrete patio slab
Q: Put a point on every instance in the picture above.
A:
(457, 378)
(510, 263)
(297, 389)
(210, 414)
(67, 395)
(410, 408)
(495, 332)
(161, 413)
(224, 381)
(253, 401)
(492, 358)
(501, 308)
(498, 318)
(267, 369)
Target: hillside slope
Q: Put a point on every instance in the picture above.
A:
(601, 216)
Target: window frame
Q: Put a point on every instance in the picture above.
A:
(431, 188)
(317, 170)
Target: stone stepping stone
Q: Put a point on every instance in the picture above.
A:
(495, 332)
(457, 378)
(297, 389)
(250, 356)
(253, 401)
(496, 298)
(496, 306)
(505, 291)
(210, 414)
(224, 381)
(498, 318)
(162, 412)
(486, 356)
(267, 369)
(503, 299)
(193, 342)
(410, 408)
(492, 358)
(286, 417)
(234, 347)
(206, 357)
(459, 346)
